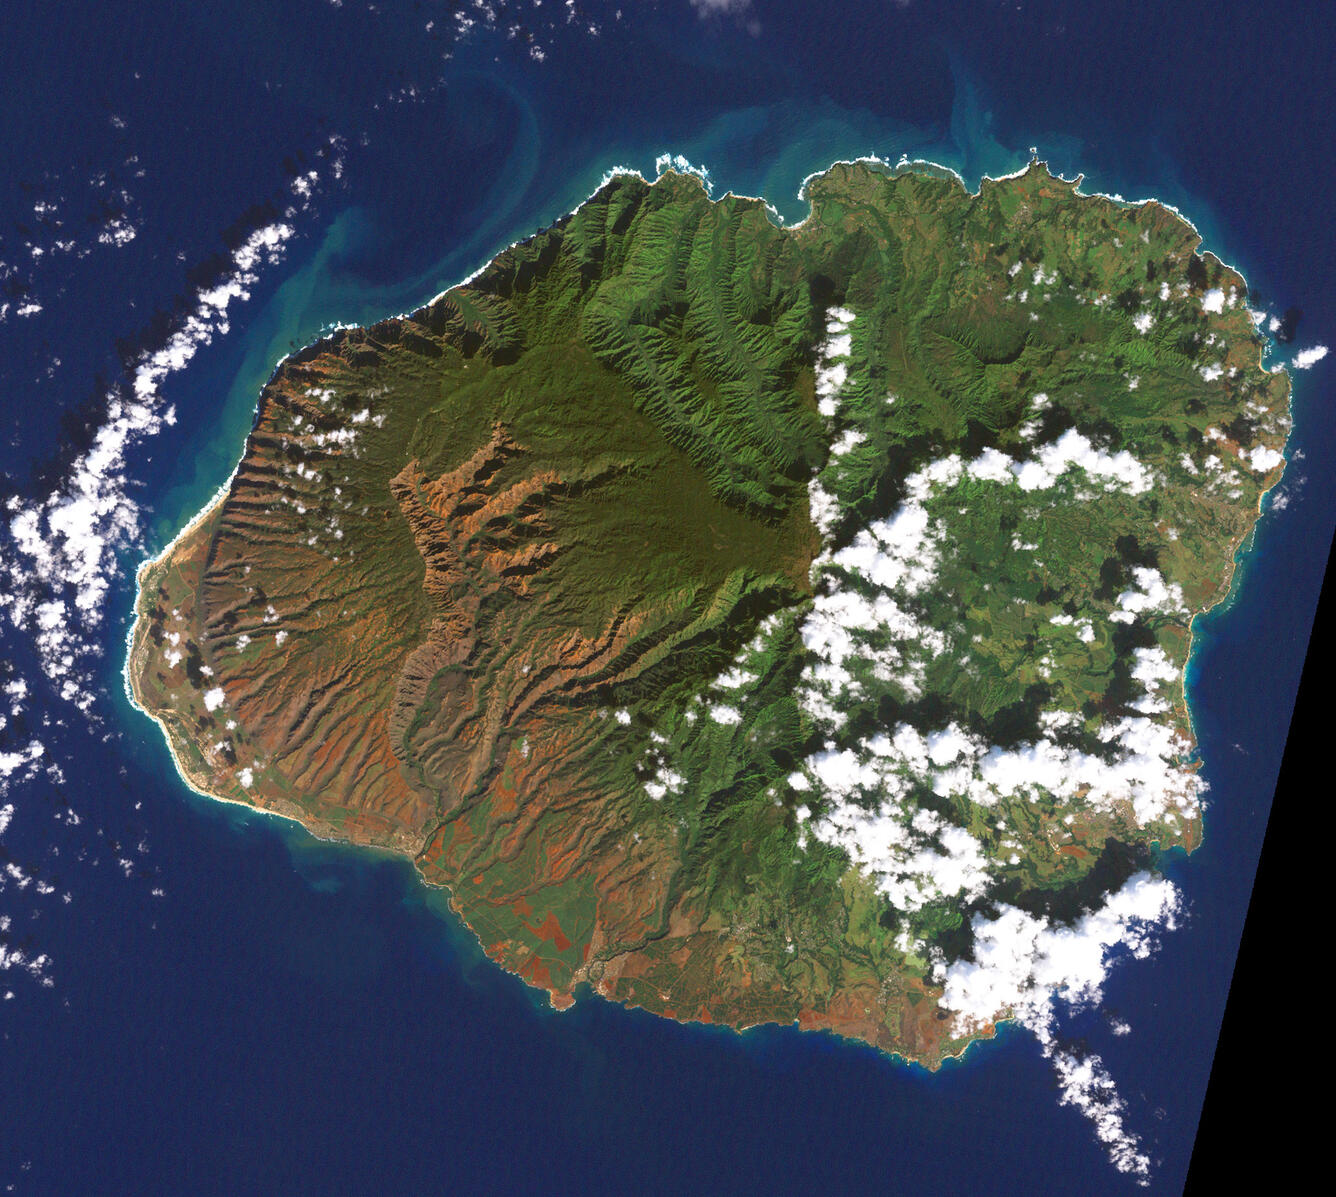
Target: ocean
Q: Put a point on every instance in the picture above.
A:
(200, 999)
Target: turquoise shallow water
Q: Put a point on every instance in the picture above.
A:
(289, 1016)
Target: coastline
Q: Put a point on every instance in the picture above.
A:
(905, 165)
(132, 696)
(677, 164)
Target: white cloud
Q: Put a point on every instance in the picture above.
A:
(914, 859)
(1142, 768)
(118, 232)
(865, 789)
(1072, 449)
(991, 466)
(832, 370)
(1085, 1083)
(58, 559)
(34, 966)
(1306, 359)
(1150, 593)
(1213, 300)
(1264, 459)
(914, 856)
(734, 679)
(17, 690)
(896, 553)
(22, 765)
(1023, 965)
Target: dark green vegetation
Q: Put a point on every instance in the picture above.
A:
(517, 584)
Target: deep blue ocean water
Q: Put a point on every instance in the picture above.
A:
(235, 1007)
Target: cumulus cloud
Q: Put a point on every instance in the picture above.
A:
(58, 558)
(1139, 767)
(1023, 966)
(896, 556)
(1142, 768)
(862, 616)
(1306, 359)
(832, 369)
(1074, 450)
(21, 765)
(864, 797)
(1022, 963)
(990, 466)
(915, 857)
(16, 958)
(1264, 459)
(1084, 1082)
(1150, 593)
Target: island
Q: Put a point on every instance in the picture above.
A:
(731, 616)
